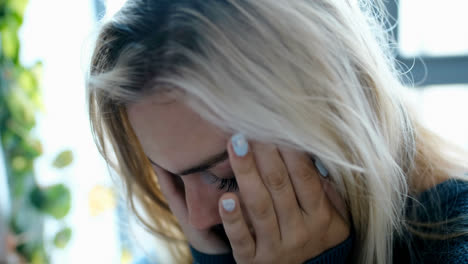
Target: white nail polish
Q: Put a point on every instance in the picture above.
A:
(229, 204)
(321, 168)
(240, 145)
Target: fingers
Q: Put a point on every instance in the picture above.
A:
(255, 197)
(306, 180)
(242, 242)
(276, 178)
(283, 197)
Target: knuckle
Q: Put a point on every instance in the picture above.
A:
(305, 172)
(239, 240)
(261, 209)
(276, 180)
(232, 219)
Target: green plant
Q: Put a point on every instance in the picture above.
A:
(20, 101)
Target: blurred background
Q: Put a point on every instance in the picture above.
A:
(57, 200)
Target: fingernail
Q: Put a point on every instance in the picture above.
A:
(229, 205)
(321, 168)
(240, 145)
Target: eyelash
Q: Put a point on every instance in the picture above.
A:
(223, 184)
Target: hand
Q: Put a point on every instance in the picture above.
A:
(282, 197)
(205, 241)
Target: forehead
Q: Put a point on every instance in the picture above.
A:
(172, 134)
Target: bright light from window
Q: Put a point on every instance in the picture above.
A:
(433, 27)
(112, 6)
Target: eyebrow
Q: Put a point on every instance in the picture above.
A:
(204, 165)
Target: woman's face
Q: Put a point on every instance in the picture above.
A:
(176, 139)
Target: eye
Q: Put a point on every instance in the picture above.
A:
(227, 184)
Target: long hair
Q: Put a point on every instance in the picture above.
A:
(316, 76)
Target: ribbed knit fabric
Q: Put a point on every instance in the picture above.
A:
(337, 254)
(446, 200)
(201, 258)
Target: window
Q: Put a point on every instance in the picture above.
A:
(432, 40)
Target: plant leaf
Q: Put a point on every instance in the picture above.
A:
(18, 6)
(39, 256)
(63, 159)
(10, 42)
(54, 200)
(62, 237)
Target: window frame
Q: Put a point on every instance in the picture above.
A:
(427, 70)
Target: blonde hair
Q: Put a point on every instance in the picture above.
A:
(316, 76)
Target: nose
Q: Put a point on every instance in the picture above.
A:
(202, 203)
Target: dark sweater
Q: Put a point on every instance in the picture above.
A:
(446, 200)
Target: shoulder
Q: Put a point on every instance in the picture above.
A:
(444, 201)
(438, 219)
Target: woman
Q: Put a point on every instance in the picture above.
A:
(263, 131)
